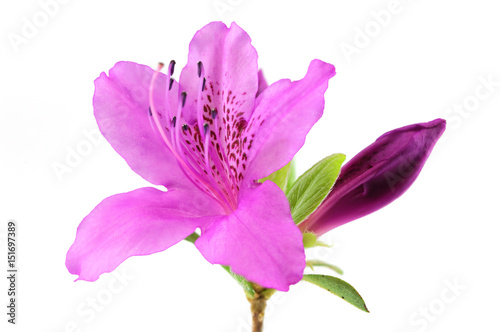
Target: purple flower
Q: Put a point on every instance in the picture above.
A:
(376, 176)
(207, 139)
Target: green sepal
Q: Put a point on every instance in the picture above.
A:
(310, 241)
(323, 244)
(338, 287)
(312, 187)
(283, 177)
(312, 263)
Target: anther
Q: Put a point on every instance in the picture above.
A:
(214, 113)
(171, 67)
(160, 65)
(200, 67)
(203, 85)
(174, 121)
(150, 113)
(183, 98)
(184, 127)
(170, 84)
(205, 129)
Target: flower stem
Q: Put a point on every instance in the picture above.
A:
(256, 295)
(258, 307)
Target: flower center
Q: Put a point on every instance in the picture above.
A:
(209, 161)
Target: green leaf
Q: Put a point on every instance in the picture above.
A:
(283, 177)
(338, 287)
(313, 263)
(292, 176)
(312, 187)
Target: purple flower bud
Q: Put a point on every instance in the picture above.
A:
(376, 176)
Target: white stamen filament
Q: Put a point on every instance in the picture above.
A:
(184, 166)
(167, 89)
(170, 71)
(220, 169)
(199, 104)
(177, 129)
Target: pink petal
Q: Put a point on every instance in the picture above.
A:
(262, 83)
(121, 107)
(284, 114)
(230, 64)
(259, 240)
(140, 222)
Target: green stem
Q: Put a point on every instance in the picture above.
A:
(192, 238)
(258, 308)
(247, 287)
(256, 295)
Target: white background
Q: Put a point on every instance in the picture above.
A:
(430, 56)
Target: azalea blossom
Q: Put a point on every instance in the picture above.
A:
(207, 138)
(376, 176)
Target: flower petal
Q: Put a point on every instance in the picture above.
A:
(376, 176)
(259, 240)
(262, 83)
(230, 64)
(121, 106)
(140, 222)
(284, 114)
